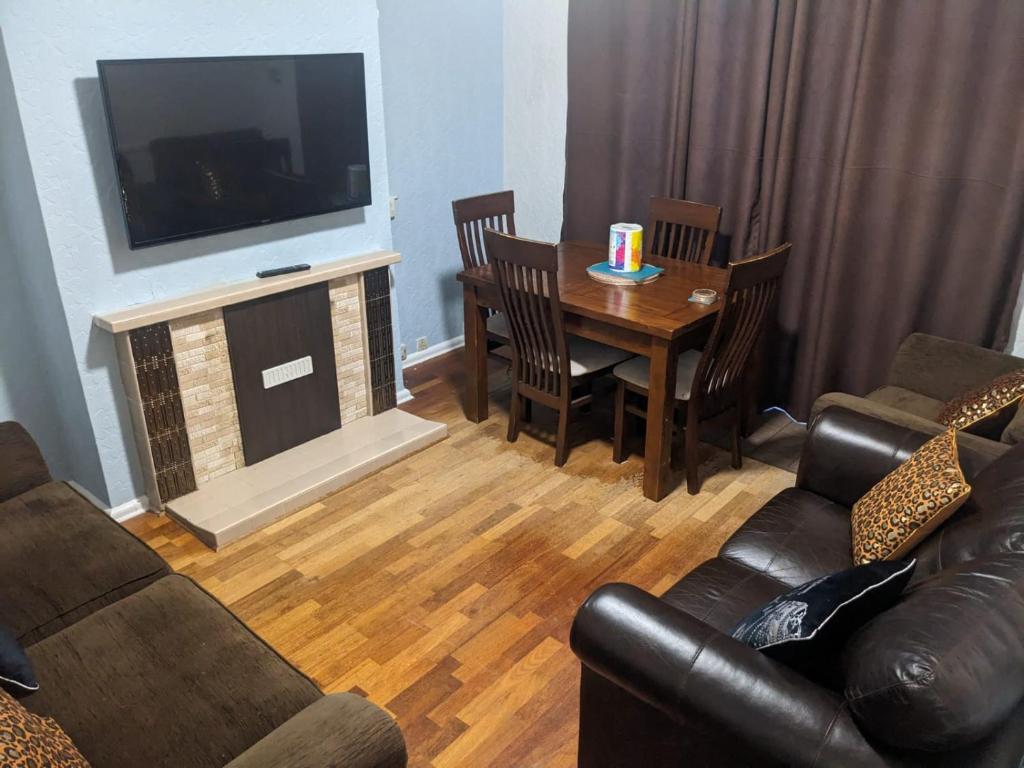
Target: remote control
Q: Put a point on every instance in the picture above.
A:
(283, 270)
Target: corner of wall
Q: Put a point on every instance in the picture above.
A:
(50, 400)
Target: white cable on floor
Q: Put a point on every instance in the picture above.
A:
(783, 411)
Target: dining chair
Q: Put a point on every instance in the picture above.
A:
(679, 229)
(549, 366)
(496, 211)
(710, 382)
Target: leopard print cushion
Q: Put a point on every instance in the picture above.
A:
(30, 741)
(983, 402)
(910, 502)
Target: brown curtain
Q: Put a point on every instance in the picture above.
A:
(884, 138)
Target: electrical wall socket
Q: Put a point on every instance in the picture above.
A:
(402, 352)
(421, 343)
(393, 206)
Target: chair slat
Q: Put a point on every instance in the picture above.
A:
(680, 229)
(474, 214)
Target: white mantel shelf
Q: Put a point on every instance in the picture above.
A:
(232, 293)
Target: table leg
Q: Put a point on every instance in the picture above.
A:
(476, 356)
(660, 405)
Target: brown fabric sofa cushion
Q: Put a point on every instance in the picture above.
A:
(908, 401)
(943, 368)
(342, 729)
(797, 536)
(61, 559)
(165, 677)
(21, 464)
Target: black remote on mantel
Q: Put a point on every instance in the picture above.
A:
(283, 270)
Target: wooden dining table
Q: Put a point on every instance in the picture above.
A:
(655, 320)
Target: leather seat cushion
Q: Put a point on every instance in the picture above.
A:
(909, 401)
(720, 592)
(944, 667)
(797, 536)
(61, 558)
(165, 677)
(638, 372)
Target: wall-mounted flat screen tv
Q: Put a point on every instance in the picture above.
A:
(215, 144)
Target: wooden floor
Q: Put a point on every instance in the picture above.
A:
(443, 587)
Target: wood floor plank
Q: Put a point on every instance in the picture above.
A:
(444, 587)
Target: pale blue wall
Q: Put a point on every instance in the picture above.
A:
(442, 72)
(52, 47)
(39, 384)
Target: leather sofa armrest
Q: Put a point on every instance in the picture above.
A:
(692, 672)
(22, 466)
(338, 730)
(847, 452)
(943, 368)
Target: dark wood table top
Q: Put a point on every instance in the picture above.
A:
(660, 308)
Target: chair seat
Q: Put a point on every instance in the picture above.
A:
(637, 372)
(497, 325)
(586, 356)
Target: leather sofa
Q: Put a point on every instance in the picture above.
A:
(142, 667)
(927, 372)
(937, 680)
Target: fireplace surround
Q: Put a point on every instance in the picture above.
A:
(181, 385)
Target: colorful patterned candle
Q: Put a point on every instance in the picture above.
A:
(625, 247)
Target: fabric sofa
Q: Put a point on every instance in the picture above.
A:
(937, 680)
(142, 667)
(926, 373)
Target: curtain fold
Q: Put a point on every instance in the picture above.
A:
(882, 137)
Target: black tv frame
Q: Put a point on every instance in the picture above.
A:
(132, 245)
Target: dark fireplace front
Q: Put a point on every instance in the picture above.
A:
(281, 349)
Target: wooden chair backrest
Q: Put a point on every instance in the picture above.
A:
(679, 229)
(753, 285)
(526, 272)
(474, 214)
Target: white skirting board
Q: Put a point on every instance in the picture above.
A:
(434, 350)
(121, 512)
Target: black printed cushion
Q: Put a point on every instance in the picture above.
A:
(16, 675)
(807, 625)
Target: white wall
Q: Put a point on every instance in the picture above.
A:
(535, 95)
(1017, 335)
(52, 47)
(442, 71)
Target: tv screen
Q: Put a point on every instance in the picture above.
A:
(215, 144)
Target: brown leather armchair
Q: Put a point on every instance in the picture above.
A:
(937, 680)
